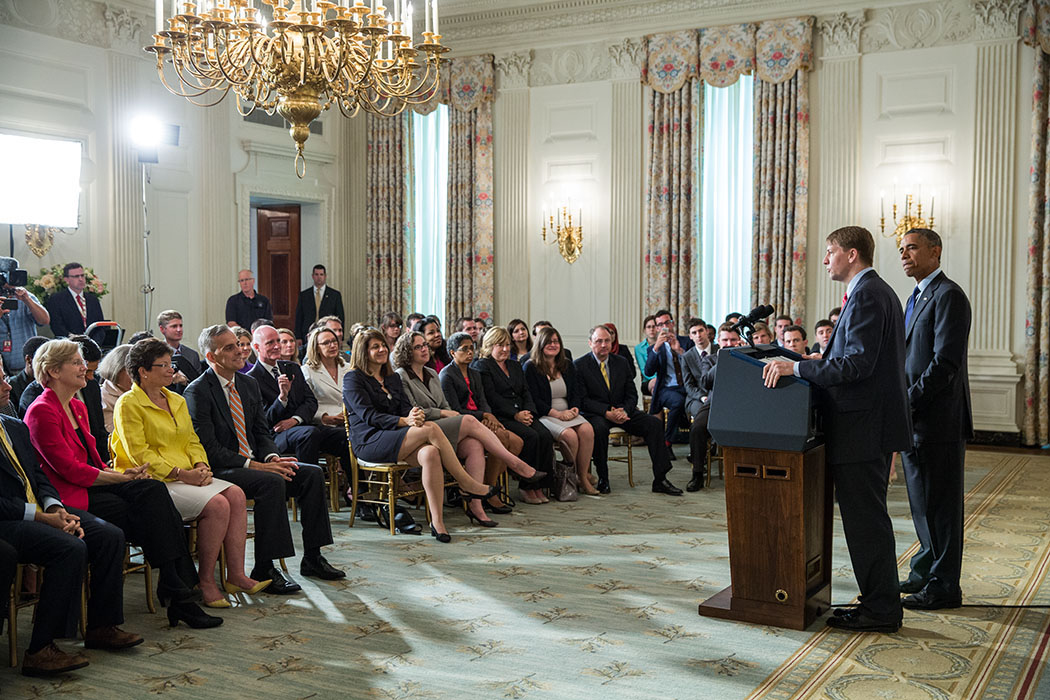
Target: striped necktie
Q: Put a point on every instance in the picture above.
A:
(9, 452)
(237, 411)
(83, 308)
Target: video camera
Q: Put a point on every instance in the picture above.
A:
(14, 278)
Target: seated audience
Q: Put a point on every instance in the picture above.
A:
(551, 379)
(244, 345)
(780, 324)
(42, 531)
(698, 432)
(141, 335)
(795, 339)
(324, 369)
(539, 326)
(290, 406)
(762, 334)
(823, 335)
(665, 361)
(115, 381)
(641, 352)
(608, 399)
(430, 327)
(392, 327)
(289, 345)
(333, 323)
(20, 381)
(412, 319)
(187, 361)
(470, 438)
(692, 363)
(463, 389)
(385, 427)
(520, 340)
(152, 429)
(834, 314)
(229, 416)
(138, 505)
(468, 325)
(508, 395)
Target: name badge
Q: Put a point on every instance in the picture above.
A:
(7, 345)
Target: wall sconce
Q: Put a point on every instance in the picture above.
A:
(909, 220)
(568, 237)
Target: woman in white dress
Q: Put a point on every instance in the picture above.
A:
(324, 370)
(151, 426)
(552, 383)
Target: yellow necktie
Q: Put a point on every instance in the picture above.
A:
(317, 303)
(13, 458)
(605, 376)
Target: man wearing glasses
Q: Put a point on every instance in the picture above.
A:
(73, 311)
(247, 306)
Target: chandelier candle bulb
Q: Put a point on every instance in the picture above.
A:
(434, 5)
(159, 12)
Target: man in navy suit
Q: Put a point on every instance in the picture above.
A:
(608, 399)
(186, 359)
(866, 420)
(665, 361)
(316, 302)
(73, 310)
(252, 461)
(937, 330)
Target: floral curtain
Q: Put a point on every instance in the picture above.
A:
(726, 53)
(469, 278)
(388, 247)
(781, 164)
(672, 215)
(1035, 428)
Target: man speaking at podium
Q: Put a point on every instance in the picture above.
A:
(866, 419)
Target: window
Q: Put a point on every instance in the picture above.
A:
(726, 200)
(429, 208)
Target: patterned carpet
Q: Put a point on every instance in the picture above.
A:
(589, 599)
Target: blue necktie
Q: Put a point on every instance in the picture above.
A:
(911, 306)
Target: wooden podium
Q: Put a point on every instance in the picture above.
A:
(779, 510)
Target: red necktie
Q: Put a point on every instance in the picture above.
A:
(83, 308)
(844, 297)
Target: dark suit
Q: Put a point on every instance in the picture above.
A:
(65, 314)
(18, 383)
(866, 420)
(540, 387)
(692, 372)
(937, 333)
(596, 398)
(508, 394)
(698, 433)
(64, 556)
(458, 394)
(210, 412)
(305, 309)
(673, 398)
(374, 414)
(188, 362)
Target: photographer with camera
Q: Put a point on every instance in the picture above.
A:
(20, 314)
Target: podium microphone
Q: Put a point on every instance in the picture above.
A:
(757, 313)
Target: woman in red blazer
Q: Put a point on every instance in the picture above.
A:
(139, 505)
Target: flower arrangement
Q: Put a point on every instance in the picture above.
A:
(50, 281)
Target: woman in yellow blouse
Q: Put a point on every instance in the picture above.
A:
(151, 425)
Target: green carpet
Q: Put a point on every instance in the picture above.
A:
(565, 600)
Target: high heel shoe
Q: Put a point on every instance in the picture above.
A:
(218, 604)
(497, 510)
(468, 496)
(483, 523)
(192, 615)
(440, 536)
(233, 588)
(532, 480)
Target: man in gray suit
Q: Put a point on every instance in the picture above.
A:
(691, 365)
(866, 420)
(937, 330)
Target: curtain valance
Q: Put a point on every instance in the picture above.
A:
(773, 50)
(1035, 24)
(465, 84)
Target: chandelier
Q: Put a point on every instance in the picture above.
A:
(300, 62)
(568, 237)
(910, 219)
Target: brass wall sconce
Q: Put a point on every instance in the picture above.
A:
(910, 219)
(568, 237)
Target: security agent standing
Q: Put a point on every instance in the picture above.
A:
(936, 331)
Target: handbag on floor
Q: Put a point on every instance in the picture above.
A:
(566, 485)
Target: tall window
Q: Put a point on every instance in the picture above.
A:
(726, 200)
(430, 189)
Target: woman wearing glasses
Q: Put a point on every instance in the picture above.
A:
(324, 370)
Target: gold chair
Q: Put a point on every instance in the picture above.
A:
(710, 456)
(140, 567)
(333, 477)
(618, 437)
(17, 602)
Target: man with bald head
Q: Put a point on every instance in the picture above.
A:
(247, 306)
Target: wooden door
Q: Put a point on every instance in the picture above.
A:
(278, 246)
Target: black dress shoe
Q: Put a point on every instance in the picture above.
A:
(931, 600)
(696, 483)
(192, 615)
(319, 567)
(498, 510)
(665, 486)
(279, 585)
(859, 621)
(603, 486)
(909, 585)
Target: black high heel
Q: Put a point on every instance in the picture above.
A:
(483, 523)
(497, 510)
(440, 536)
(532, 480)
(467, 496)
(191, 615)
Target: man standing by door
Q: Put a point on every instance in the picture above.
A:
(316, 302)
(247, 306)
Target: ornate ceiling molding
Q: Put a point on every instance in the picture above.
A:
(918, 26)
(997, 19)
(582, 63)
(627, 58)
(125, 29)
(841, 34)
(513, 70)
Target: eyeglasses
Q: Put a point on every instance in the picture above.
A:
(326, 343)
(166, 365)
(465, 348)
